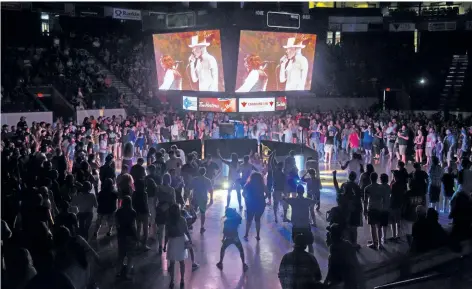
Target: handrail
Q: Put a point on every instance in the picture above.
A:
(412, 281)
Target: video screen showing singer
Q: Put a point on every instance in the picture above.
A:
(275, 61)
(189, 61)
(256, 79)
(203, 66)
(293, 65)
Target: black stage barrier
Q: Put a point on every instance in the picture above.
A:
(187, 146)
(227, 146)
(283, 149)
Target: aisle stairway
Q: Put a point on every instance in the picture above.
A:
(450, 96)
(138, 106)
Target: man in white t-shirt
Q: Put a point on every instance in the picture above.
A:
(302, 208)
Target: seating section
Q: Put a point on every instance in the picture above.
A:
(18, 71)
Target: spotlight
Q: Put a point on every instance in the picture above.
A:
(225, 185)
(422, 81)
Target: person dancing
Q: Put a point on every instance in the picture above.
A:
(201, 186)
(234, 177)
(230, 236)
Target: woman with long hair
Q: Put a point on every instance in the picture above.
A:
(234, 177)
(125, 184)
(257, 78)
(172, 77)
(166, 198)
(419, 142)
(128, 154)
(254, 194)
(179, 240)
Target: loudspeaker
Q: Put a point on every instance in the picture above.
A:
(304, 123)
(227, 128)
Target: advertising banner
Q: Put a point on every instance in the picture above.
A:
(401, 27)
(190, 103)
(13, 118)
(442, 26)
(281, 103)
(257, 104)
(126, 14)
(217, 104)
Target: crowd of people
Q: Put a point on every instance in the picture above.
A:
(54, 176)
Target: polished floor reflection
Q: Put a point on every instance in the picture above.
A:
(263, 257)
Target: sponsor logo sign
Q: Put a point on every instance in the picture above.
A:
(401, 27)
(189, 103)
(217, 104)
(126, 14)
(281, 103)
(256, 104)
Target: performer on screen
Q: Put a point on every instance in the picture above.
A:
(172, 77)
(203, 66)
(293, 65)
(257, 78)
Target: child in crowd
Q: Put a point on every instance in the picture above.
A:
(230, 236)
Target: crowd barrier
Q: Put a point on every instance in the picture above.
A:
(81, 114)
(227, 146)
(13, 118)
(185, 145)
(283, 149)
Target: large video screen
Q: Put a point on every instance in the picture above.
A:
(275, 61)
(217, 104)
(189, 61)
(261, 104)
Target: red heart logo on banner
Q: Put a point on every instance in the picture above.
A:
(271, 103)
(244, 104)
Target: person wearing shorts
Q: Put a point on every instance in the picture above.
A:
(201, 186)
(376, 204)
(302, 209)
(403, 142)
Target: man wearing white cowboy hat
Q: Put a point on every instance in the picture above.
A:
(293, 65)
(203, 66)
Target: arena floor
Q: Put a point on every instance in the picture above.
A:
(263, 257)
